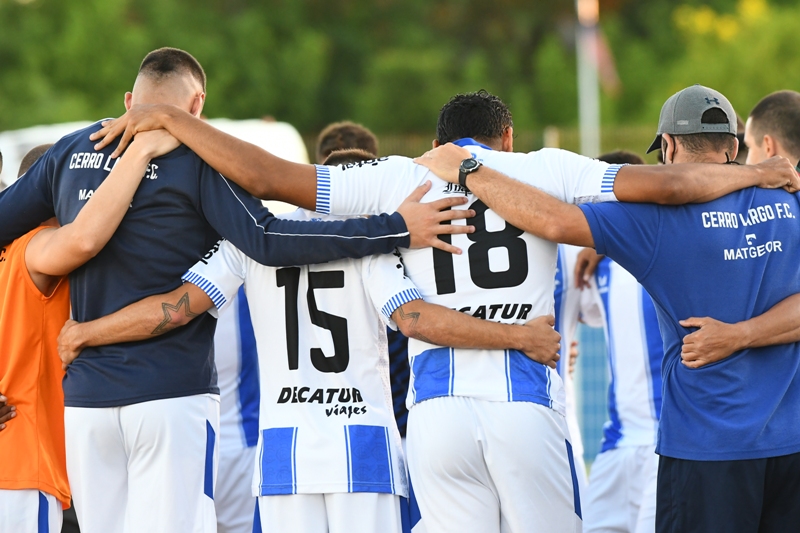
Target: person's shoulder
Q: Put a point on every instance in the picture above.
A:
(390, 163)
(81, 136)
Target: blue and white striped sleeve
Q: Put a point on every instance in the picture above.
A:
(219, 274)
(366, 188)
(387, 285)
(570, 177)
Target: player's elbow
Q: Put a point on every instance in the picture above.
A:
(87, 246)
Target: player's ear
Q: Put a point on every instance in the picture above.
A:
(668, 146)
(508, 140)
(435, 143)
(770, 146)
(735, 149)
(198, 103)
(128, 100)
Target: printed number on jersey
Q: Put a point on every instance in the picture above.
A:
(478, 253)
(289, 278)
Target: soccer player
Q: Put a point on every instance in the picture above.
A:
(123, 399)
(345, 136)
(35, 305)
(773, 128)
(236, 361)
(729, 437)
(330, 457)
(476, 502)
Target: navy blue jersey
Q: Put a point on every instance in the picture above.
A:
(180, 210)
(731, 259)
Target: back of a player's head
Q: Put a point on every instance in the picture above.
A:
(707, 142)
(479, 115)
(31, 157)
(343, 136)
(165, 63)
(621, 157)
(778, 115)
(347, 157)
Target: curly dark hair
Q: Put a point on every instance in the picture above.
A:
(479, 115)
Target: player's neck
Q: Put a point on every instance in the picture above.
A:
(707, 157)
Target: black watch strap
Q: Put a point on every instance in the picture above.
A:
(468, 166)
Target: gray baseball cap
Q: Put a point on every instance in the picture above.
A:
(682, 113)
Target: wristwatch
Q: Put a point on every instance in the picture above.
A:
(468, 166)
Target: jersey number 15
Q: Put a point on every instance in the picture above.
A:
(334, 279)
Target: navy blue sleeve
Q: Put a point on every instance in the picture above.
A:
(29, 201)
(627, 233)
(248, 225)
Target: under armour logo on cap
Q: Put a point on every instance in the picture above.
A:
(709, 100)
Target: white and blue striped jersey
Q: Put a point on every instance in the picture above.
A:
(635, 351)
(237, 376)
(505, 274)
(571, 306)
(326, 417)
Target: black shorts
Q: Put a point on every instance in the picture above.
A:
(748, 496)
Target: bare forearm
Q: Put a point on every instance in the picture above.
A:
(260, 173)
(779, 325)
(145, 319)
(530, 209)
(59, 252)
(683, 183)
(439, 325)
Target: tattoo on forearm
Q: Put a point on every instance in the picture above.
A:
(169, 309)
(414, 317)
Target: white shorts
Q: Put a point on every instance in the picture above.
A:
(577, 445)
(622, 491)
(29, 511)
(234, 500)
(356, 512)
(487, 467)
(144, 467)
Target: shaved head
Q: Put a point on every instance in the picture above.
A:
(169, 76)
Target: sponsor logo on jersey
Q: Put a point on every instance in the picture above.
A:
(326, 396)
(2, 255)
(454, 188)
(85, 194)
(752, 252)
(493, 311)
(370, 162)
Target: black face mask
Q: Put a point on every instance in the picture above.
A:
(728, 160)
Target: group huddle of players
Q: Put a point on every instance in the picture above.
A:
(387, 358)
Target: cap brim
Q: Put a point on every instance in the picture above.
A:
(656, 144)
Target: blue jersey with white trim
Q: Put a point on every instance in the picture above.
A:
(505, 274)
(237, 374)
(635, 351)
(179, 211)
(326, 417)
(731, 259)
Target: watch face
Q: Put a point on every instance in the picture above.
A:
(469, 164)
